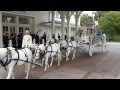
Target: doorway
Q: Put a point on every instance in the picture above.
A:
(9, 30)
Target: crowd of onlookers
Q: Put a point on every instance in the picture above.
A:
(17, 39)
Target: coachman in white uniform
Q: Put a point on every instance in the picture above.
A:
(27, 40)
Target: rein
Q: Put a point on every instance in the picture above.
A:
(7, 59)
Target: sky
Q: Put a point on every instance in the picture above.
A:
(84, 12)
(88, 12)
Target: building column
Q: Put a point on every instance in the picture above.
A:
(17, 32)
(32, 24)
(53, 22)
(62, 26)
(1, 31)
(80, 21)
(68, 28)
(17, 24)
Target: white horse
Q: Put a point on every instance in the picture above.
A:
(39, 53)
(69, 46)
(11, 57)
(51, 51)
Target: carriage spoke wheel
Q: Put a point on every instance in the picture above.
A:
(90, 50)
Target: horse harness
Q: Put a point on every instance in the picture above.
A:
(69, 46)
(9, 58)
(51, 50)
(8, 54)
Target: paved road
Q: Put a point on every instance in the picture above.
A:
(99, 66)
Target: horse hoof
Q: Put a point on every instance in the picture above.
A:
(45, 69)
(33, 66)
(72, 58)
(26, 78)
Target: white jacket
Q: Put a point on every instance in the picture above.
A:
(27, 41)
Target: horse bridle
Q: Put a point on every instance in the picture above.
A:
(8, 54)
(67, 45)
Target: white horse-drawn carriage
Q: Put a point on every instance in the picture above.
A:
(91, 37)
(9, 57)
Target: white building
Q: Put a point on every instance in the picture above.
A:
(35, 21)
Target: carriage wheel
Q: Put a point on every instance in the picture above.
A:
(90, 50)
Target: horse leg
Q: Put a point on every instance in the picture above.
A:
(28, 70)
(59, 59)
(13, 76)
(74, 54)
(67, 54)
(26, 65)
(46, 63)
(42, 62)
(51, 61)
(56, 57)
(10, 72)
(33, 64)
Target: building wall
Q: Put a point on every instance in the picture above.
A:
(15, 25)
(40, 16)
(1, 36)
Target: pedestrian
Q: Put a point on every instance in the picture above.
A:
(44, 37)
(37, 38)
(58, 36)
(65, 37)
(6, 40)
(27, 40)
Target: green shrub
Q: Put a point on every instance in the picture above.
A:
(114, 38)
